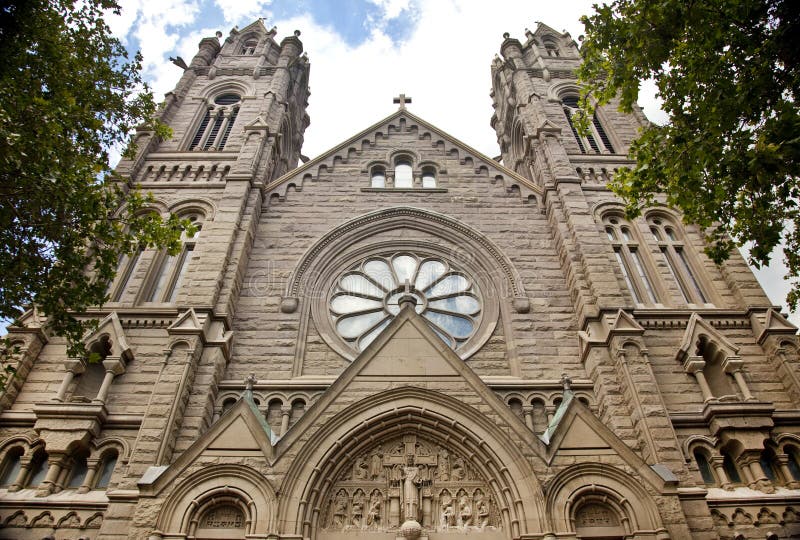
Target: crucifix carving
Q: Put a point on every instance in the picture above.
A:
(402, 100)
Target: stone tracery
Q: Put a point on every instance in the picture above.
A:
(410, 479)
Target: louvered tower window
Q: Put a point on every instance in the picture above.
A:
(596, 140)
(217, 122)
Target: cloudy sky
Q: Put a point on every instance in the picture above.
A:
(364, 52)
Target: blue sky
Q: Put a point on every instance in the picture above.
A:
(364, 52)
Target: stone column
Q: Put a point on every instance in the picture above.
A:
(114, 366)
(49, 485)
(22, 475)
(733, 365)
(695, 366)
(286, 412)
(92, 466)
(527, 412)
(74, 367)
(724, 481)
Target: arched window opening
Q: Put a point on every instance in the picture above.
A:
(596, 139)
(298, 409)
(38, 469)
(378, 177)
(793, 463)
(705, 468)
(718, 381)
(274, 415)
(88, 383)
(217, 122)
(228, 403)
(769, 464)
(516, 406)
(172, 268)
(106, 470)
(730, 468)
(428, 178)
(126, 267)
(630, 260)
(78, 471)
(403, 174)
(674, 253)
(249, 47)
(11, 466)
(551, 48)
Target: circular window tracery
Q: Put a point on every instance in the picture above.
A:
(365, 297)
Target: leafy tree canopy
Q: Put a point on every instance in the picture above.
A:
(729, 156)
(68, 94)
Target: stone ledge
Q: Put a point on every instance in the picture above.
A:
(403, 190)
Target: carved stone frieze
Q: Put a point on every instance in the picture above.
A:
(411, 479)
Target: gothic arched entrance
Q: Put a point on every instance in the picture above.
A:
(411, 453)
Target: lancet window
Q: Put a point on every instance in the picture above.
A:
(171, 269)
(630, 259)
(677, 259)
(216, 124)
(596, 140)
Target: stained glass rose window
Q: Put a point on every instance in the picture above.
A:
(365, 298)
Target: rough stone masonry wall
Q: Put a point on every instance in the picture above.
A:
(265, 338)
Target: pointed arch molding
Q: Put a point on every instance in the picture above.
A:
(236, 484)
(597, 481)
(329, 246)
(431, 415)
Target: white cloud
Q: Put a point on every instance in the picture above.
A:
(243, 12)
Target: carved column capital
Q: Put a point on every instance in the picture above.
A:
(75, 366)
(693, 364)
(732, 364)
(114, 365)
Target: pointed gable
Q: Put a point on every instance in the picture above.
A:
(338, 154)
(576, 431)
(240, 431)
(408, 352)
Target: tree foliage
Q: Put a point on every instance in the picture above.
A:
(69, 94)
(729, 156)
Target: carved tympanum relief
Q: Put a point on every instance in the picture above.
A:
(409, 478)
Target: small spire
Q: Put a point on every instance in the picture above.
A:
(566, 382)
(402, 99)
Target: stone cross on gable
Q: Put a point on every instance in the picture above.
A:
(402, 100)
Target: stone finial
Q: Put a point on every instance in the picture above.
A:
(566, 382)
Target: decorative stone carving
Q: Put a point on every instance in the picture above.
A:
(223, 517)
(410, 479)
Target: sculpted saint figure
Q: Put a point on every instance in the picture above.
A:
(374, 514)
(459, 471)
(411, 493)
(464, 511)
(443, 470)
(483, 514)
(358, 510)
(447, 514)
(339, 511)
(375, 466)
(362, 469)
(397, 473)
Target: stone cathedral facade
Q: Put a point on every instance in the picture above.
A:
(404, 337)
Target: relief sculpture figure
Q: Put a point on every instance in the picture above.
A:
(443, 471)
(375, 466)
(411, 501)
(464, 511)
(374, 514)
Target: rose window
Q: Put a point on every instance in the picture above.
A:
(365, 298)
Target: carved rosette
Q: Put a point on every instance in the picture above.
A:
(410, 479)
